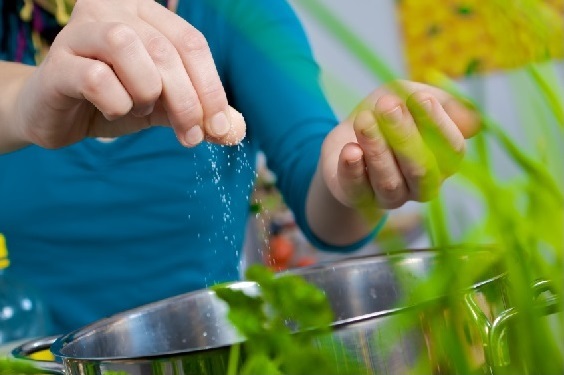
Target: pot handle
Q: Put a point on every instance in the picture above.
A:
(26, 349)
(482, 322)
(494, 334)
(546, 306)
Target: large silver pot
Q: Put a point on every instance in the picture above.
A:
(189, 334)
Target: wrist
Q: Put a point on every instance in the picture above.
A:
(13, 106)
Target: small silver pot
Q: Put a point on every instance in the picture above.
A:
(189, 334)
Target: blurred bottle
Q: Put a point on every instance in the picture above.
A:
(23, 315)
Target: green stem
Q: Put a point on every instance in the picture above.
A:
(554, 99)
(11, 366)
(234, 354)
(438, 228)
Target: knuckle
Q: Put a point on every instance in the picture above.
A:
(190, 110)
(402, 139)
(149, 95)
(390, 188)
(418, 97)
(378, 152)
(213, 93)
(193, 41)
(52, 63)
(418, 173)
(120, 36)
(95, 77)
(160, 49)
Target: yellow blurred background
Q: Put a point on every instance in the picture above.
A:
(462, 37)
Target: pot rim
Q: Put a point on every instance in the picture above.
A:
(66, 339)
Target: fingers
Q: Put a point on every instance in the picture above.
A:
(180, 98)
(148, 68)
(461, 111)
(119, 46)
(156, 56)
(238, 128)
(438, 130)
(409, 147)
(92, 80)
(352, 176)
(196, 59)
(414, 158)
(411, 137)
(384, 174)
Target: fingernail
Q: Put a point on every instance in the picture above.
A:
(194, 136)
(220, 125)
(395, 115)
(427, 105)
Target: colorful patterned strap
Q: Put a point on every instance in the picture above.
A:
(28, 27)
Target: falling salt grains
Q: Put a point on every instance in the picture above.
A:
(222, 162)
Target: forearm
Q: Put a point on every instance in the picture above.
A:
(12, 79)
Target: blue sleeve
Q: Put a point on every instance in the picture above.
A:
(274, 81)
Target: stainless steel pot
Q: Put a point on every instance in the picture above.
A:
(189, 334)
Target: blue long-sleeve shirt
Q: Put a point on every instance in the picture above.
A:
(104, 227)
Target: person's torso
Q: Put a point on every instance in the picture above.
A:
(103, 227)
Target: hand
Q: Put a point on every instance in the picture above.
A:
(122, 66)
(400, 144)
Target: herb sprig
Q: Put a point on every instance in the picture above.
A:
(284, 326)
